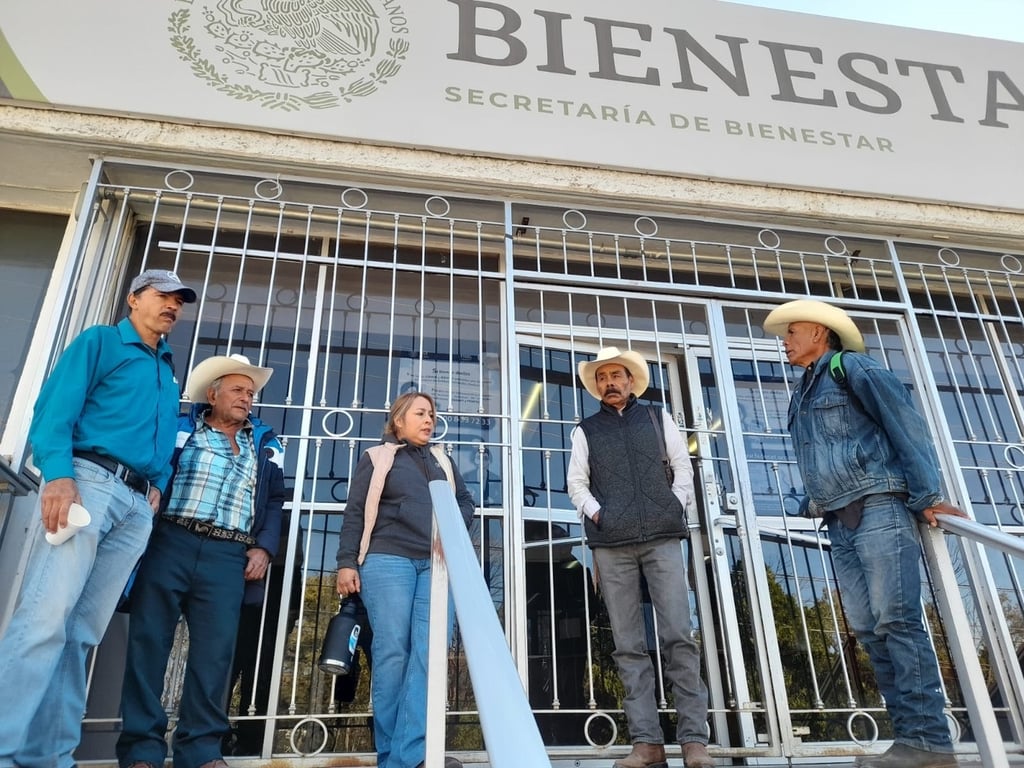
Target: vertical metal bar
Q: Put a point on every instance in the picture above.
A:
(778, 720)
(238, 282)
(61, 290)
(331, 308)
(754, 269)
(271, 282)
(299, 493)
(983, 720)
(451, 317)
(201, 293)
(420, 350)
(300, 297)
(481, 321)
(515, 568)
(363, 314)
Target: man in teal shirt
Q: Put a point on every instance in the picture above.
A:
(102, 436)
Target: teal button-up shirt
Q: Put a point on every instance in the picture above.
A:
(111, 394)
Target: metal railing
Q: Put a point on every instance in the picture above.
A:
(510, 731)
(983, 534)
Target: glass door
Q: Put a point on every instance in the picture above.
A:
(573, 684)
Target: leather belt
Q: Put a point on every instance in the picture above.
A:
(127, 475)
(209, 531)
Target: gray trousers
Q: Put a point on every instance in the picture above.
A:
(619, 570)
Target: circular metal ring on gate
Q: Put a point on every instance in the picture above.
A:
(956, 731)
(171, 180)
(358, 194)
(1014, 455)
(1011, 263)
(650, 226)
(438, 421)
(215, 291)
(611, 721)
(769, 239)
(874, 727)
(335, 412)
(295, 730)
(949, 257)
(437, 206)
(579, 219)
(287, 297)
(275, 189)
(835, 246)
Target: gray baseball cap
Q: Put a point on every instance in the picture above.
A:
(163, 280)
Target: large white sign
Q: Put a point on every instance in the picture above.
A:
(697, 88)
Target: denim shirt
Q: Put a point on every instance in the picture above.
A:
(861, 438)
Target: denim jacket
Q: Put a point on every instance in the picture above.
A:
(862, 437)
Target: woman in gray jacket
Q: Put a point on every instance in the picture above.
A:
(384, 555)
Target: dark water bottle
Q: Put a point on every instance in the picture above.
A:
(340, 640)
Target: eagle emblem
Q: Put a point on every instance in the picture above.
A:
(293, 54)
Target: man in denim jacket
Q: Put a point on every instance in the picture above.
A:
(869, 468)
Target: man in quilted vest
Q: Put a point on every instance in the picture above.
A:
(631, 481)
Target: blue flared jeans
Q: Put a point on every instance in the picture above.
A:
(878, 565)
(396, 593)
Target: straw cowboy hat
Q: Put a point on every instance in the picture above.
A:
(629, 359)
(212, 368)
(814, 311)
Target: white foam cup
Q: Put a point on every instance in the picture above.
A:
(78, 518)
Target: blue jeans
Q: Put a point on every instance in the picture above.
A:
(878, 565)
(661, 563)
(203, 579)
(67, 598)
(396, 593)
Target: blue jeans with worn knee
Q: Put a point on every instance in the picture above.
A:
(878, 565)
(67, 597)
(396, 593)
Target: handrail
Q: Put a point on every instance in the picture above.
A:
(18, 483)
(510, 730)
(983, 534)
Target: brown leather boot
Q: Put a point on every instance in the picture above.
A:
(695, 755)
(643, 756)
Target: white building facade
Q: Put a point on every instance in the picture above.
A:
(476, 196)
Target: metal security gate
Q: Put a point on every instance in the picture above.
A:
(353, 294)
(784, 673)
